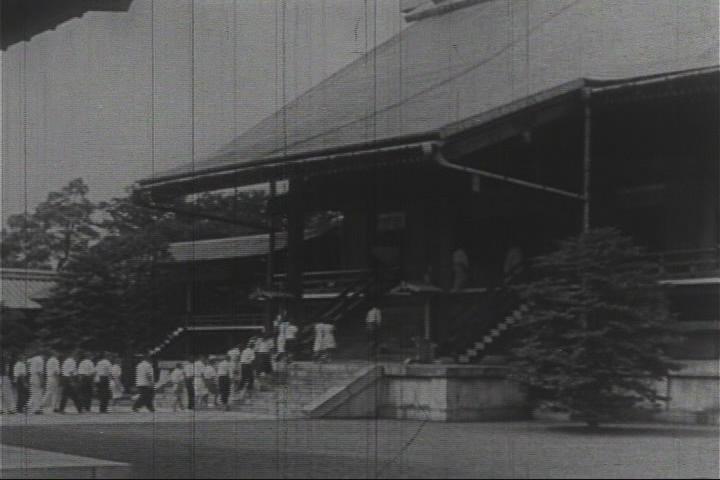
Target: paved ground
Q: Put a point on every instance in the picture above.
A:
(230, 445)
(20, 462)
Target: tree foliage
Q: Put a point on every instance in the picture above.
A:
(60, 227)
(595, 336)
(113, 292)
(110, 296)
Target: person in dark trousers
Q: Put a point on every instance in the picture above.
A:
(145, 383)
(103, 371)
(20, 379)
(223, 375)
(189, 369)
(68, 384)
(86, 378)
(247, 370)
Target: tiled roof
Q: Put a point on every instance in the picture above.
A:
(463, 63)
(21, 288)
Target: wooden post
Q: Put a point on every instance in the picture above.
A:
(296, 227)
(270, 256)
(427, 318)
(587, 158)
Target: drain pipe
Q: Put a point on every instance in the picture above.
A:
(439, 159)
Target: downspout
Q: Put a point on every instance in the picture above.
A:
(438, 158)
(587, 158)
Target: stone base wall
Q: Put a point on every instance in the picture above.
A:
(459, 393)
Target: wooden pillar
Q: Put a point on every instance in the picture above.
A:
(587, 158)
(296, 227)
(270, 256)
(427, 319)
(189, 298)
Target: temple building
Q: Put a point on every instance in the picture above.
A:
(481, 134)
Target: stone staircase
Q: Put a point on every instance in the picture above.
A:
(286, 393)
(480, 347)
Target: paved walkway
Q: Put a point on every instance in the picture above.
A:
(18, 462)
(228, 447)
(126, 416)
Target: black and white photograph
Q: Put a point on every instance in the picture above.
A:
(360, 239)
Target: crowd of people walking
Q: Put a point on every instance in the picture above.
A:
(45, 381)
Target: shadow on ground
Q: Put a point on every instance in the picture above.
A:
(638, 431)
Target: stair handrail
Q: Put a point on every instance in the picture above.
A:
(495, 294)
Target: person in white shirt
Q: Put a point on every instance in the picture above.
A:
(7, 395)
(373, 323)
(263, 355)
(199, 382)
(291, 332)
(189, 371)
(69, 384)
(145, 383)
(224, 374)
(19, 375)
(86, 377)
(210, 377)
(461, 268)
(36, 371)
(116, 375)
(247, 361)
(103, 374)
(177, 378)
(51, 399)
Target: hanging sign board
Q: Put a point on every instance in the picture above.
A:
(391, 221)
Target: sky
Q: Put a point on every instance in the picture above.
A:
(114, 97)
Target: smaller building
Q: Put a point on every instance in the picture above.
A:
(215, 281)
(21, 294)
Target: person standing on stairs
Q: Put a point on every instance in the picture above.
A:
(373, 322)
(263, 355)
(247, 367)
(290, 341)
(324, 341)
(461, 269)
(330, 343)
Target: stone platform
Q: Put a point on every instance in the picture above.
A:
(18, 462)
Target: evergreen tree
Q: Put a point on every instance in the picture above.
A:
(595, 336)
(112, 295)
(59, 227)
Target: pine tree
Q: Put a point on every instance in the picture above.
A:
(595, 336)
